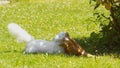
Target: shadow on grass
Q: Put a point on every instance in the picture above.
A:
(95, 44)
(9, 51)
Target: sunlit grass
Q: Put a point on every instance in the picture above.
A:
(44, 19)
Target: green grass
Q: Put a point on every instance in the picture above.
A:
(44, 19)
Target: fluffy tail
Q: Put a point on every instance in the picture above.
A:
(19, 33)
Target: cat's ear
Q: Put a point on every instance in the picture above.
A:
(67, 35)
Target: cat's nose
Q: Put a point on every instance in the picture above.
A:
(67, 38)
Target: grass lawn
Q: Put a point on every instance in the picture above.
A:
(44, 19)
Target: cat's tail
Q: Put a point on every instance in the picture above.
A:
(20, 34)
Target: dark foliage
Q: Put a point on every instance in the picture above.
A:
(108, 40)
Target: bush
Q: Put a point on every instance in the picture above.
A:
(109, 38)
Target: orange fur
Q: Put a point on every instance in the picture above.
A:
(72, 48)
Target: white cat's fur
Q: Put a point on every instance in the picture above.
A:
(37, 46)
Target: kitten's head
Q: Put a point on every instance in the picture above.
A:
(60, 36)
